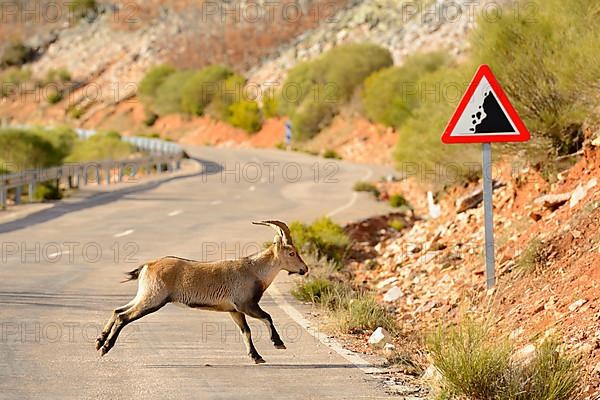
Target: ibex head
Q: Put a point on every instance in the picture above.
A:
(285, 251)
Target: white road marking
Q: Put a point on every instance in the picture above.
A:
(124, 233)
(353, 198)
(174, 213)
(58, 253)
(330, 342)
(252, 188)
(215, 202)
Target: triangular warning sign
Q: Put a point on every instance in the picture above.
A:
(485, 114)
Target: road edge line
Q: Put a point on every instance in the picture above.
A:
(331, 342)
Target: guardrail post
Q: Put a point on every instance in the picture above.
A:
(108, 176)
(3, 198)
(18, 190)
(31, 191)
(158, 167)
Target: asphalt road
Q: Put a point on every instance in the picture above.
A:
(61, 267)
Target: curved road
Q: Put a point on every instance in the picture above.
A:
(61, 268)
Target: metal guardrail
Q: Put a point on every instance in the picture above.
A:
(151, 145)
(163, 154)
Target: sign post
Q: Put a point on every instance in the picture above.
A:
(488, 187)
(485, 115)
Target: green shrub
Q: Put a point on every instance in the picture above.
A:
(204, 85)
(397, 200)
(476, 365)
(419, 145)
(54, 96)
(83, 9)
(323, 237)
(152, 80)
(270, 106)
(11, 79)
(150, 118)
(471, 362)
(528, 52)
(332, 154)
(167, 99)
(245, 114)
(101, 146)
(363, 313)
(550, 376)
(229, 92)
(533, 256)
(391, 95)
(27, 149)
(16, 54)
(76, 112)
(47, 191)
(363, 186)
(313, 290)
(314, 90)
(397, 224)
(311, 117)
(60, 75)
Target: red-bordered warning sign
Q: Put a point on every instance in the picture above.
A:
(485, 114)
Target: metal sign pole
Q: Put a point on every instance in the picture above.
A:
(489, 221)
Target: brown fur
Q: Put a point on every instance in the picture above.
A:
(234, 286)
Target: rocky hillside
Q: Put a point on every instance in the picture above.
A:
(107, 51)
(432, 272)
(404, 27)
(109, 48)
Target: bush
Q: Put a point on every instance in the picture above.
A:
(150, 118)
(11, 79)
(16, 54)
(84, 9)
(245, 114)
(27, 149)
(60, 75)
(471, 362)
(391, 95)
(54, 96)
(230, 91)
(48, 191)
(270, 106)
(101, 146)
(363, 313)
(203, 86)
(551, 376)
(362, 186)
(419, 141)
(533, 256)
(152, 80)
(397, 200)
(475, 365)
(167, 99)
(397, 224)
(317, 88)
(323, 237)
(528, 55)
(311, 117)
(332, 154)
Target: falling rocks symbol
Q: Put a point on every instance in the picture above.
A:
(490, 118)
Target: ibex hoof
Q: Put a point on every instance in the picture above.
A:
(99, 343)
(259, 361)
(280, 346)
(104, 350)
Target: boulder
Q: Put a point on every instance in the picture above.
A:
(393, 294)
(379, 338)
